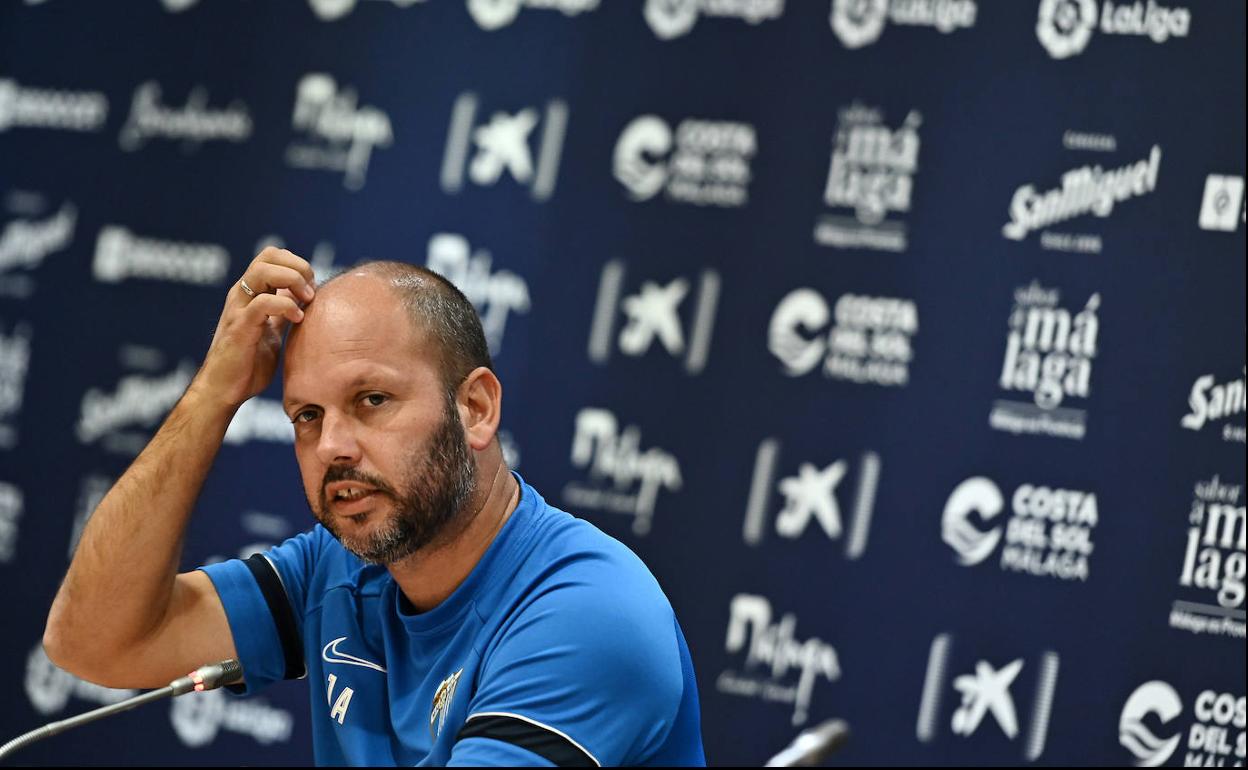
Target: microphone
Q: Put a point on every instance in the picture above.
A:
(208, 677)
(202, 679)
(813, 746)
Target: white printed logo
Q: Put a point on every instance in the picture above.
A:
(710, 164)
(673, 18)
(1048, 535)
(340, 134)
(870, 341)
(23, 107)
(775, 650)
(504, 145)
(1210, 400)
(120, 254)
(811, 496)
(653, 316)
(622, 478)
(494, 14)
(25, 243)
(331, 654)
(11, 506)
(977, 495)
(198, 718)
(1154, 698)
(1065, 27)
(1213, 562)
(332, 10)
(260, 419)
(987, 690)
(49, 688)
(139, 400)
(871, 174)
(193, 124)
(1214, 739)
(1088, 189)
(1222, 201)
(14, 364)
(1048, 353)
(495, 294)
(859, 23)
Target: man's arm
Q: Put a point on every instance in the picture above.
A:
(123, 616)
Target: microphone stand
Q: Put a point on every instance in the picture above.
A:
(205, 678)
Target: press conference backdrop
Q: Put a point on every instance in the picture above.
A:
(903, 339)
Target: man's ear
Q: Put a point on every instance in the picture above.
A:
(480, 403)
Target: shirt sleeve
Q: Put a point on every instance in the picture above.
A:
(264, 598)
(584, 675)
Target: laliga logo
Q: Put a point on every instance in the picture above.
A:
(1155, 697)
(859, 22)
(975, 495)
(1065, 26)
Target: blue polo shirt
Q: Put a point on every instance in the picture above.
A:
(558, 649)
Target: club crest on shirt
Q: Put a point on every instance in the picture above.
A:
(442, 703)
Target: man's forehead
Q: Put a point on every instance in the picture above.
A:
(355, 322)
(353, 311)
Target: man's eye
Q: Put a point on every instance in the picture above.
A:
(307, 415)
(375, 399)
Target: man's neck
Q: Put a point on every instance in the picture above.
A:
(429, 576)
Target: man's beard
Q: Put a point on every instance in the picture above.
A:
(440, 480)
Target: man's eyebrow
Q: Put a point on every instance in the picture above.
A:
(358, 381)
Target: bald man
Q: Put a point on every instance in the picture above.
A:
(451, 615)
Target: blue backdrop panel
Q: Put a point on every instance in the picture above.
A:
(903, 339)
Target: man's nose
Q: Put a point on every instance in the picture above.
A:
(338, 443)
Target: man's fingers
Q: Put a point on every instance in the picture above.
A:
(272, 306)
(276, 256)
(267, 277)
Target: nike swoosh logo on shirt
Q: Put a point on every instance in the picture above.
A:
(331, 649)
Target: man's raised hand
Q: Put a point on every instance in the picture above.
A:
(268, 297)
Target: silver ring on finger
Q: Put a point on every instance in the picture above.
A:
(250, 292)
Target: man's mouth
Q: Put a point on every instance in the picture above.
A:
(351, 499)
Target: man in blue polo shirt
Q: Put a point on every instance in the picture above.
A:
(449, 613)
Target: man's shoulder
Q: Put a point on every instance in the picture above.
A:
(569, 548)
(316, 558)
(578, 583)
